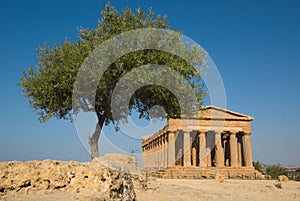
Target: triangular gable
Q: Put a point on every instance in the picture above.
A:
(213, 112)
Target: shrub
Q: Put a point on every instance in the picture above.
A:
(258, 166)
(275, 170)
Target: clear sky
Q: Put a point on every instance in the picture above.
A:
(255, 45)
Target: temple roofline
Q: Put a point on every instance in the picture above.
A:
(248, 117)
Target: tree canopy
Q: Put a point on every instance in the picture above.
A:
(49, 85)
(275, 170)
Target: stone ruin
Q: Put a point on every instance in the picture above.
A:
(86, 181)
(216, 143)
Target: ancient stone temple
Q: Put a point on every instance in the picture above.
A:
(218, 142)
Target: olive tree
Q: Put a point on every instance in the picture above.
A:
(49, 85)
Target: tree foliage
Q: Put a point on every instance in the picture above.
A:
(49, 86)
(258, 166)
(275, 170)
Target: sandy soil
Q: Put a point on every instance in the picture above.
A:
(185, 190)
(204, 190)
(52, 196)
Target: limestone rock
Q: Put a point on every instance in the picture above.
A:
(120, 162)
(260, 176)
(283, 178)
(219, 178)
(268, 177)
(70, 177)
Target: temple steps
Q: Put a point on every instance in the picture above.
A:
(179, 172)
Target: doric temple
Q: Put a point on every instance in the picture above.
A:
(217, 142)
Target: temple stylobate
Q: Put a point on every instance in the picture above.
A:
(216, 142)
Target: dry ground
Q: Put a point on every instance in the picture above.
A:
(229, 190)
(185, 190)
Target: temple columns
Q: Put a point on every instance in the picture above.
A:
(156, 153)
(194, 156)
(219, 150)
(202, 150)
(165, 150)
(186, 148)
(171, 148)
(248, 151)
(227, 151)
(233, 154)
(240, 148)
(160, 151)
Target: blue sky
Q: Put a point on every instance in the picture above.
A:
(255, 45)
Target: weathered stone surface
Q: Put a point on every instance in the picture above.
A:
(283, 178)
(180, 172)
(261, 176)
(219, 178)
(120, 162)
(209, 141)
(70, 177)
(268, 177)
(143, 182)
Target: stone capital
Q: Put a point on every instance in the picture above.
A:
(186, 132)
(171, 131)
(217, 132)
(201, 132)
(247, 133)
(233, 133)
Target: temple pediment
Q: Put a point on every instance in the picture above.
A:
(213, 112)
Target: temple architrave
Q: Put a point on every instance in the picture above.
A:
(216, 143)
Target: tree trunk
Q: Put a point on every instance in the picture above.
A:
(93, 141)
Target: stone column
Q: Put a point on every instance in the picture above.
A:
(165, 151)
(171, 148)
(144, 157)
(209, 148)
(240, 150)
(208, 158)
(194, 156)
(186, 149)
(147, 156)
(157, 153)
(248, 151)
(219, 151)
(152, 154)
(160, 152)
(202, 150)
(227, 151)
(233, 155)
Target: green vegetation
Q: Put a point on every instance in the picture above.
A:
(258, 166)
(275, 170)
(49, 86)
